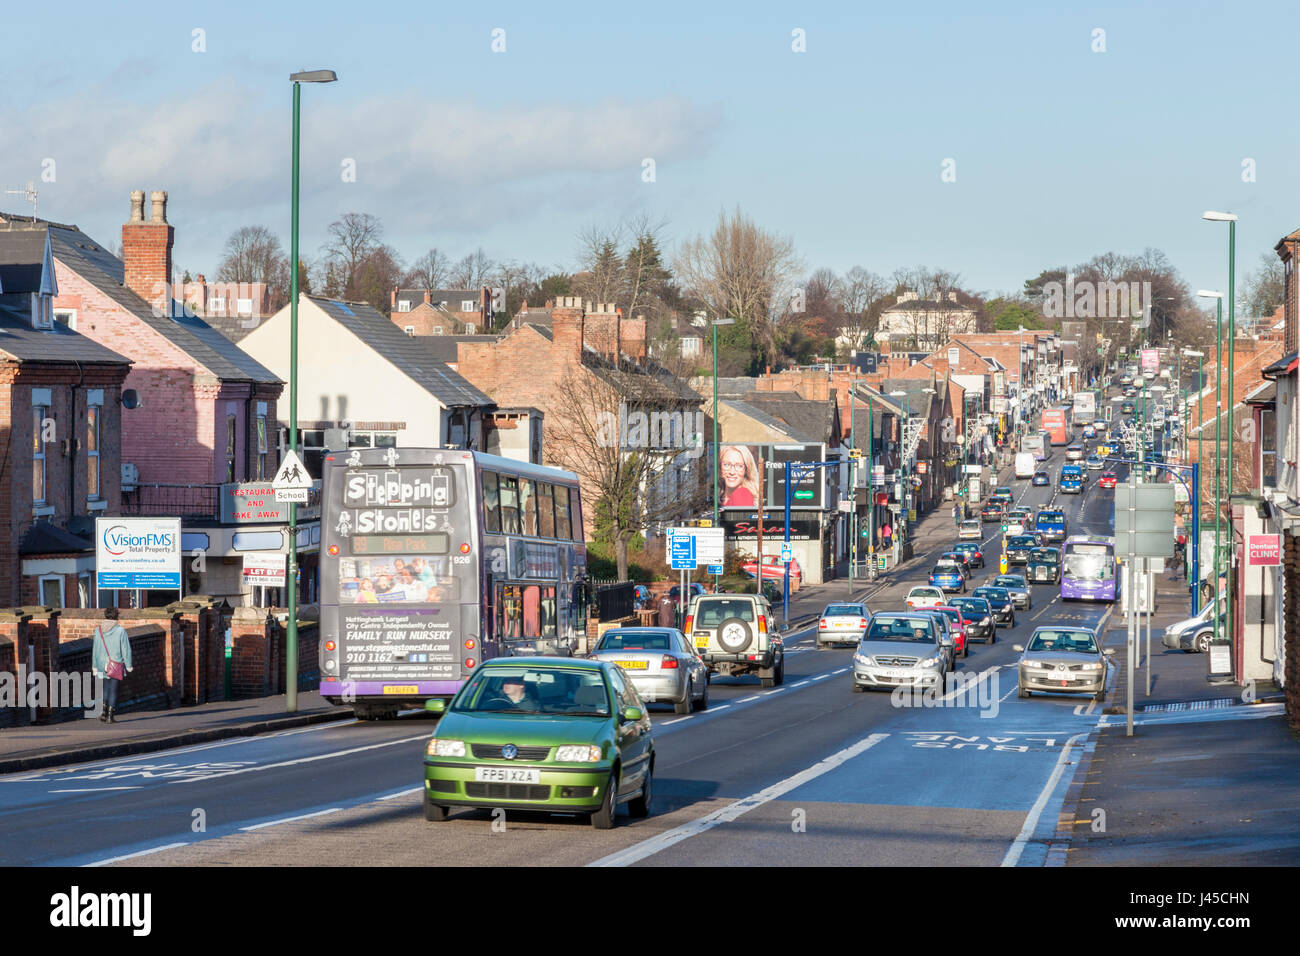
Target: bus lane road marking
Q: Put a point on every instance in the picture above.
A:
(733, 811)
(1036, 811)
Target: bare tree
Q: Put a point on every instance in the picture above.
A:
(1263, 290)
(472, 271)
(351, 240)
(600, 276)
(861, 294)
(743, 272)
(254, 254)
(429, 271)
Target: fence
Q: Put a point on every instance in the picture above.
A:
(167, 500)
(613, 600)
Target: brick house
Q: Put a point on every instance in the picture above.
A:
(442, 311)
(207, 408)
(60, 428)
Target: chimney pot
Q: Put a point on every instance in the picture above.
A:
(137, 205)
(158, 198)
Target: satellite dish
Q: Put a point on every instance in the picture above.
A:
(131, 398)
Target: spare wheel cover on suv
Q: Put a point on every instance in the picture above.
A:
(734, 635)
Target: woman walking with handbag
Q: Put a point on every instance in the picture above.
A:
(110, 660)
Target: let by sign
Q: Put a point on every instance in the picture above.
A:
(1263, 549)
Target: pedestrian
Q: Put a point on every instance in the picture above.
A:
(111, 661)
(667, 611)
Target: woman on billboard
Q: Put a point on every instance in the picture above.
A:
(739, 477)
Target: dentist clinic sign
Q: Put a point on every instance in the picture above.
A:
(1263, 550)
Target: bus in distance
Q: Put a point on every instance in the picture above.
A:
(1056, 422)
(1088, 569)
(435, 559)
(1034, 443)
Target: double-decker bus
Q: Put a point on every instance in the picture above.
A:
(1034, 443)
(1085, 407)
(436, 559)
(1088, 569)
(1056, 422)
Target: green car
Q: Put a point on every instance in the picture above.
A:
(547, 734)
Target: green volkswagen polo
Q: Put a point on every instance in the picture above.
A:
(547, 734)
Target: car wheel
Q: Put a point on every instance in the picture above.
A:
(993, 635)
(433, 812)
(683, 706)
(1021, 692)
(965, 649)
(858, 688)
(603, 819)
(1203, 642)
(780, 673)
(704, 698)
(640, 806)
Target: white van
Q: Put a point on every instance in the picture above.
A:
(1026, 464)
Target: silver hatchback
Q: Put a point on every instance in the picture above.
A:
(1063, 660)
(660, 663)
(842, 624)
(901, 650)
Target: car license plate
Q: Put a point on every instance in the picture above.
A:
(841, 624)
(702, 641)
(895, 672)
(632, 665)
(507, 775)
(401, 689)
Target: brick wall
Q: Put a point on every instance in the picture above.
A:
(251, 657)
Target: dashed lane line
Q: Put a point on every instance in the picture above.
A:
(132, 856)
(733, 811)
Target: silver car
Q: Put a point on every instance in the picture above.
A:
(901, 650)
(842, 624)
(1065, 660)
(660, 663)
(1019, 588)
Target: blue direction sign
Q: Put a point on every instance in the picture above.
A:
(682, 552)
(715, 569)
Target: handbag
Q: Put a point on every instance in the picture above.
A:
(115, 670)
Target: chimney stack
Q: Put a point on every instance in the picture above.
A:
(568, 326)
(147, 251)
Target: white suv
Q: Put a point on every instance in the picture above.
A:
(737, 634)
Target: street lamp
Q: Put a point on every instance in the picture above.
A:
(291, 581)
(1218, 457)
(716, 323)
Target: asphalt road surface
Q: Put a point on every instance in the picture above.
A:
(806, 773)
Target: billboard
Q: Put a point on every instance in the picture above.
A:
(1151, 360)
(138, 553)
(738, 475)
(804, 526)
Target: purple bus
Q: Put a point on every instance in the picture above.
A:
(1088, 569)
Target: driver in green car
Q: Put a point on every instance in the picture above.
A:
(513, 695)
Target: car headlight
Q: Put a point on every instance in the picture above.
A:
(1090, 667)
(582, 754)
(441, 747)
(862, 659)
(932, 661)
(986, 621)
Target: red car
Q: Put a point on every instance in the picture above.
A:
(774, 570)
(958, 625)
(1107, 479)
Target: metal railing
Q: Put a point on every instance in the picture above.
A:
(613, 600)
(184, 501)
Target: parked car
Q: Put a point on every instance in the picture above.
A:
(978, 615)
(737, 634)
(661, 664)
(538, 733)
(900, 650)
(774, 570)
(974, 556)
(1044, 566)
(1019, 588)
(970, 529)
(1062, 659)
(1004, 608)
(693, 589)
(842, 624)
(1193, 634)
(1041, 478)
(923, 597)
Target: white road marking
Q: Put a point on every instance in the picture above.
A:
(980, 679)
(727, 814)
(677, 720)
(745, 700)
(131, 856)
(842, 670)
(821, 676)
(276, 823)
(402, 793)
(290, 763)
(800, 684)
(778, 690)
(93, 789)
(714, 710)
(1031, 821)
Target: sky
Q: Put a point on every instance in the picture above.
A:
(990, 139)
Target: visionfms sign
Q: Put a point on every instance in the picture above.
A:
(138, 553)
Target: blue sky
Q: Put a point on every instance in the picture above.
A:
(1060, 152)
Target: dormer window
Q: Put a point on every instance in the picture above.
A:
(42, 311)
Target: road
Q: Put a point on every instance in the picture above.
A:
(807, 773)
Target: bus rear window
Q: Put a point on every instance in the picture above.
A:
(545, 509)
(562, 529)
(509, 492)
(491, 507)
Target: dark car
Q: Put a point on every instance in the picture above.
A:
(993, 511)
(1019, 588)
(1019, 546)
(1126, 408)
(1042, 478)
(1003, 494)
(1043, 566)
(1004, 607)
(978, 615)
(974, 556)
(960, 557)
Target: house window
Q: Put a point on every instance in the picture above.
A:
(471, 329)
(437, 330)
(85, 589)
(92, 452)
(51, 590)
(1268, 448)
(42, 311)
(244, 306)
(40, 415)
(261, 443)
(231, 432)
(217, 305)
(410, 330)
(67, 317)
(403, 305)
(372, 439)
(468, 305)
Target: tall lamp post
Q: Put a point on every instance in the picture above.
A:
(716, 323)
(1218, 457)
(291, 581)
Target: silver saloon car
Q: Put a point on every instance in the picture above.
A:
(1019, 588)
(660, 663)
(842, 624)
(1063, 660)
(901, 650)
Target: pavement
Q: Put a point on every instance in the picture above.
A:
(1208, 778)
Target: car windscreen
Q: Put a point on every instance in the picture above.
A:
(946, 567)
(1022, 541)
(925, 592)
(533, 689)
(992, 594)
(975, 606)
(636, 641)
(1076, 641)
(1043, 554)
(711, 613)
(1053, 517)
(844, 610)
(911, 630)
(1009, 581)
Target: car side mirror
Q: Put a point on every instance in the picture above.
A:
(946, 641)
(1018, 648)
(632, 713)
(435, 706)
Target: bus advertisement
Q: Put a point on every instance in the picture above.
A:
(1088, 569)
(1056, 422)
(433, 560)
